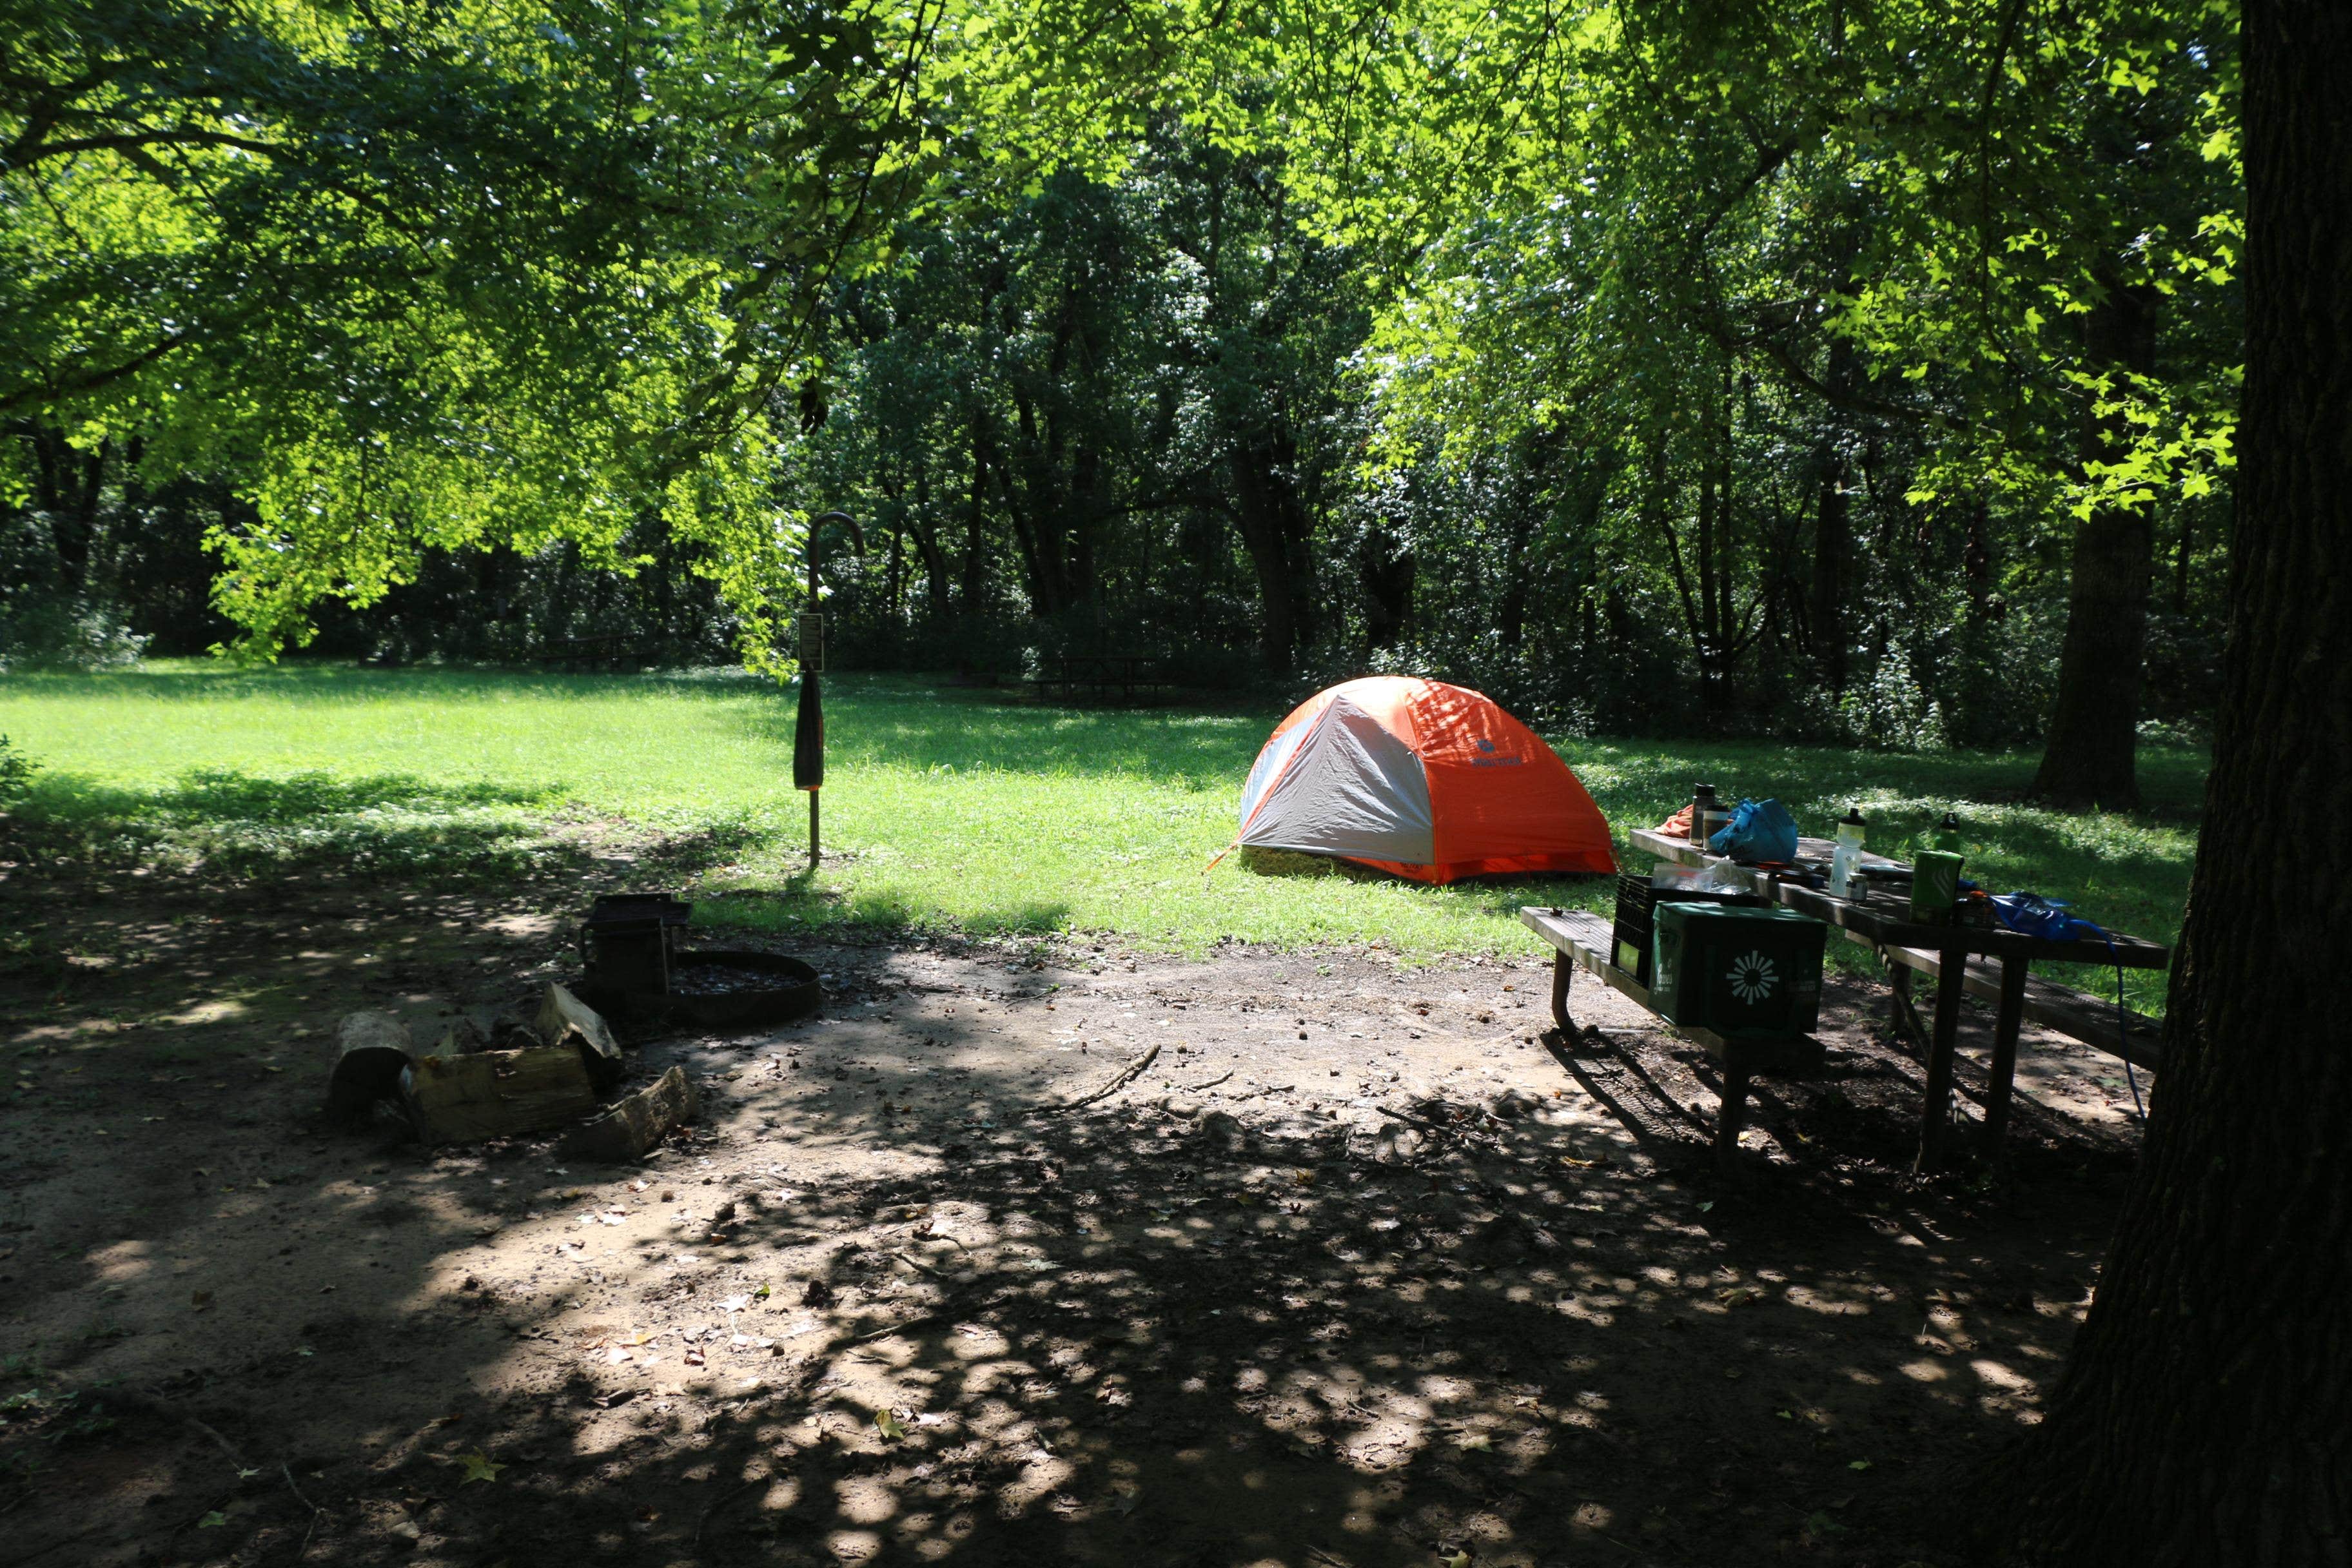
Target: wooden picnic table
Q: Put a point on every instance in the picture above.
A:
(1951, 953)
(1580, 940)
(1100, 675)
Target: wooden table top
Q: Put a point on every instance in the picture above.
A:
(1887, 928)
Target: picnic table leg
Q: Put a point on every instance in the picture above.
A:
(1903, 1018)
(1732, 1114)
(1563, 970)
(1936, 1121)
(2007, 1018)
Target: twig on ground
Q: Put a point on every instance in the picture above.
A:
(222, 1443)
(1125, 1076)
(886, 1333)
(1212, 1083)
(317, 1513)
(287, 1471)
(1421, 1122)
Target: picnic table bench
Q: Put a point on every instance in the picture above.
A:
(1582, 942)
(1100, 674)
(1992, 962)
(604, 651)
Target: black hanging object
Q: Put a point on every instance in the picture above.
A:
(808, 734)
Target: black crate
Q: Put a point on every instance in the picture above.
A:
(1630, 935)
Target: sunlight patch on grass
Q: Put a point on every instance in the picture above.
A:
(947, 810)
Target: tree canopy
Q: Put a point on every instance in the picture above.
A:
(1728, 351)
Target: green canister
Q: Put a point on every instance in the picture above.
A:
(1934, 886)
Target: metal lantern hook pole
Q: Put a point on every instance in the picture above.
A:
(808, 723)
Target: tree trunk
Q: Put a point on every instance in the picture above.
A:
(1273, 523)
(975, 558)
(2202, 1418)
(1387, 569)
(1511, 612)
(2093, 733)
(1827, 595)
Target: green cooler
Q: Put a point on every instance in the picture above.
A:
(1742, 972)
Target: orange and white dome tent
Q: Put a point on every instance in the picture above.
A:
(1423, 779)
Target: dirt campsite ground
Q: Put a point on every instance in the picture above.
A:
(887, 1303)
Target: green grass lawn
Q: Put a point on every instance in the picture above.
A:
(957, 810)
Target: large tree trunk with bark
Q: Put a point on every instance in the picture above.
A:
(1274, 527)
(2090, 758)
(2206, 1414)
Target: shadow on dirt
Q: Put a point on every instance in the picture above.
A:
(883, 1307)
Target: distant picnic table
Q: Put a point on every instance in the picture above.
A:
(1994, 962)
(610, 651)
(1096, 677)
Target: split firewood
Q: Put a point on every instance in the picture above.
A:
(496, 1094)
(563, 1017)
(462, 1038)
(637, 1124)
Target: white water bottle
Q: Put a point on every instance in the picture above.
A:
(1847, 854)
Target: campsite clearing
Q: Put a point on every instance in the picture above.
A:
(1358, 1271)
(947, 810)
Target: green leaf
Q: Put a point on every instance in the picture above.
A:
(478, 1465)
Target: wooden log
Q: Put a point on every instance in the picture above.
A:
(462, 1038)
(564, 1018)
(636, 1125)
(373, 1050)
(496, 1094)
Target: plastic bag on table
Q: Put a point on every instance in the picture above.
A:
(1758, 830)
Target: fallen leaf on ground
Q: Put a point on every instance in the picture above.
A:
(479, 1466)
(887, 1424)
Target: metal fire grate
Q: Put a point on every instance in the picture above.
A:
(629, 943)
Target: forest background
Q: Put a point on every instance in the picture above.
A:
(1860, 372)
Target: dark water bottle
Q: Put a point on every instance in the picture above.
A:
(1704, 811)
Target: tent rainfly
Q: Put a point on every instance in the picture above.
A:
(1422, 779)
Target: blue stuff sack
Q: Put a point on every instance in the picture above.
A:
(1758, 830)
(2034, 915)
